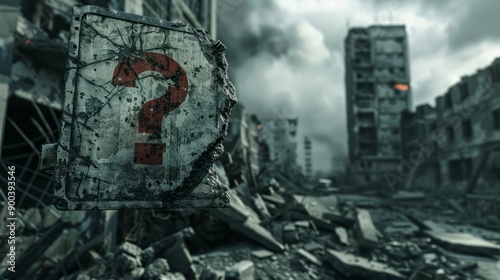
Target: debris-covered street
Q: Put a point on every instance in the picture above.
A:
(267, 234)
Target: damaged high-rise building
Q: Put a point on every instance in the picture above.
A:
(377, 80)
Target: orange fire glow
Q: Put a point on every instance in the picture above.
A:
(402, 87)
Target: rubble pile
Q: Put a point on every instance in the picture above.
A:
(268, 233)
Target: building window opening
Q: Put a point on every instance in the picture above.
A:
(496, 118)
(467, 129)
(451, 134)
(455, 170)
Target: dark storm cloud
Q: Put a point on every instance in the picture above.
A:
(248, 28)
(281, 66)
(424, 4)
(470, 22)
(477, 23)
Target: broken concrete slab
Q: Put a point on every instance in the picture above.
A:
(261, 207)
(361, 268)
(262, 254)
(365, 231)
(128, 257)
(129, 248)
(302, 223)
(320, 222)
(464, 243)
(274, 198)
(342, 235)
(309, 257)
(313, 246)
(50, 216)
(401, 227)
(210, 273)
(243, 270)
(324, 208)
(249, 228)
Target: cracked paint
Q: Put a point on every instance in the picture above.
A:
(145, 112)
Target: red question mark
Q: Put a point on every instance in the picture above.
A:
(153, 111)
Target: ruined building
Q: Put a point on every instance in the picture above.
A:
(418, 145)
(280, 135)
(455, 147)
(242, 146)
(377, 81)
(469, 112)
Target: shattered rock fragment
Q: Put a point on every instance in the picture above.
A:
(243, 270)
(210, 273)
(135, 274)
(308, 256)
(128, 257)
(125, 262)
(365, 231)
(157, 268)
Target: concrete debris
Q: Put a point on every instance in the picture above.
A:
(273, 229)
(365, 231)
(136, 273)
(262, 254)
(155, 269)
(209, 273)
(464, 243)
(243, 270)
(286, 246)
(308, 256)
(342, 235)
(361, 268)
(238, 218)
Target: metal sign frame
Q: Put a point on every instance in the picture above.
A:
(191, 62)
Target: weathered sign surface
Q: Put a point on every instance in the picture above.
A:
(145, 111)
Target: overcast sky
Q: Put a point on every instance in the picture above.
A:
(285, 56)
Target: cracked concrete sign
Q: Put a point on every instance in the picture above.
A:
(145, 111)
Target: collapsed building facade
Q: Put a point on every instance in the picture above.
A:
(458, 141)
